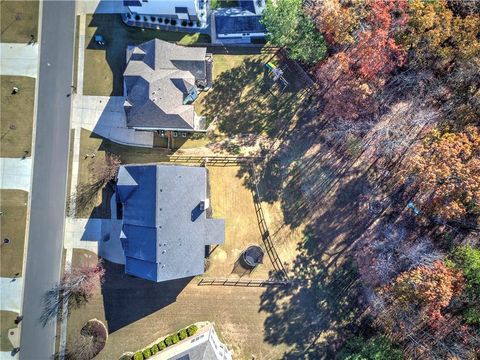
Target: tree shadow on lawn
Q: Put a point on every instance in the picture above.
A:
(127, 299)
(242, 102)
(324, 303)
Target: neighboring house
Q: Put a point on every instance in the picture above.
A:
(204, 345)
(240, 24)
(165, 228)
(161, 81)
(158, 13)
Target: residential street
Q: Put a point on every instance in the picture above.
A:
(50, 156)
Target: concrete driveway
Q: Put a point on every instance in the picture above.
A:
(101, 236)
(11, 294)
(19, 59)
(100, 6)
(15, 173)
(105, 116)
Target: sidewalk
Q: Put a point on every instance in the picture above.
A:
(19, 59)
(15, 173)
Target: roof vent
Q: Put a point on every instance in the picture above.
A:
(204, 204)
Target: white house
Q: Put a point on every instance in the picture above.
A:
(180, 13)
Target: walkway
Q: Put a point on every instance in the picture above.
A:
(105, 116)
(15, 173)
(19, 59)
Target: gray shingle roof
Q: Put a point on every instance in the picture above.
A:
(164, 227)
(157, 77)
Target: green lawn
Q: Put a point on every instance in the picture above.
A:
(13, 204)
(16, 112)
(7, 319)
(104, 65)
(18, 20)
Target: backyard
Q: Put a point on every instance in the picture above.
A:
(19, 20)
(13, 205)
(104, 65)
(244, 99)
(16, 111)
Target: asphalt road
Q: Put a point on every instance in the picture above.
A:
(47, 211)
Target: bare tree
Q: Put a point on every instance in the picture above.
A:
(75, 289)
(104, 171)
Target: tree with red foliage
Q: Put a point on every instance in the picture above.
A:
(349, 78)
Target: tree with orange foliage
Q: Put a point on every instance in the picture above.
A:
(435, 33)
(447, 169)
(431, 288)
(334, 20)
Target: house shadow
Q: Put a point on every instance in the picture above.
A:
(127, 299)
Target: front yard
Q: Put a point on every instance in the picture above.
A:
(13, 205)
(19, 20)
(16, 112)
(7, 319)
(104, 65)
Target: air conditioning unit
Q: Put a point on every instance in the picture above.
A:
(184, 134)
(175, 134)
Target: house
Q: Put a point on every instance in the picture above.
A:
(161, 81)
(183, 14)
(239, 24)
(204, 345)
(165, 220)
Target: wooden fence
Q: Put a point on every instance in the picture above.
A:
(241, 282)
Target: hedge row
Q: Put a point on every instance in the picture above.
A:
(168, 341)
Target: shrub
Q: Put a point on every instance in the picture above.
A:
(167, 21)
(161, 345)
(154, 349)
(199, 23)
(160, 20)
(169, 340)
(183, 334)
(191, 330)
(137, 17)
(175, 338)
(153, 18)
(190, 23)
(138, 356)
(173, 22)
(467, 260)
(184, 23)
(147, 353)
(145, 18)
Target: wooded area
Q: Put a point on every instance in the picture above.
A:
(412, 69)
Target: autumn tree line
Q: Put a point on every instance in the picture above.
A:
(411, 70)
